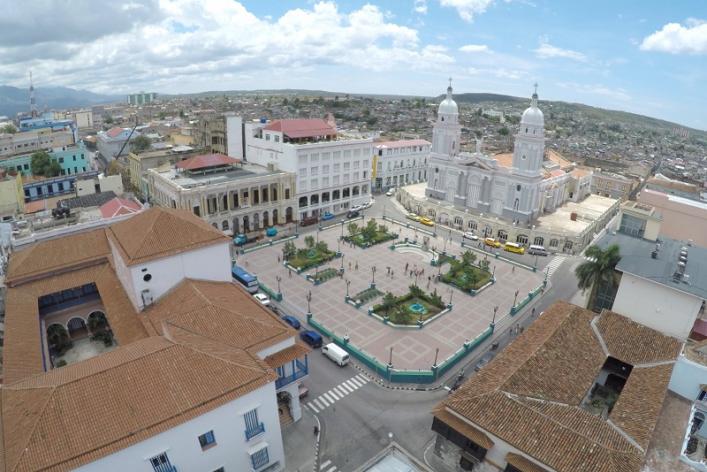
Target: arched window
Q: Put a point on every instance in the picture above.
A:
(522, 239)
(516, 203)
(538, 241)
(431, 213)
(471, 225)
(502, 235)
(554, 243)
(458, 221)
(224, 225)
(568, 246)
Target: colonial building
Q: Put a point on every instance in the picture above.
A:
(140, 162)
(612, 185)
(131, 347)
(114, 142)
(231, 195)
(519, 189)
(222, 134)
(398, 163)
(333, 170)
(35, 140)
(576, 392)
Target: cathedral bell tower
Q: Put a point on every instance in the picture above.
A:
(446, 133)
(529, 145)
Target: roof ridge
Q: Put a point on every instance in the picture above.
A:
(515, 398)
(32, 431)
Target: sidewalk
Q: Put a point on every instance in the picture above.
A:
(300, 443)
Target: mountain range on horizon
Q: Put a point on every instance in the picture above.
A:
(14, 100)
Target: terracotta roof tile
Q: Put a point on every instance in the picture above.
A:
(523, 464)
(57, 255)
(302, 128)
(119, 206)
(206, 160)
(463, 427)
(298, 350)
(530, 395)
(161, 232)
(174, 382)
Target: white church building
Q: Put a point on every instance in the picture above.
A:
(519, 189)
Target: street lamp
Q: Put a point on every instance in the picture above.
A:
(451, 294)
(348, 282)
(342, 262)
(279, 279)
(342, 229)
(515, 297)
(495, 309)
(373, 275)
(309, 300)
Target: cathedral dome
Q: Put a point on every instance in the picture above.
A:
(448, 105)
(532, 115)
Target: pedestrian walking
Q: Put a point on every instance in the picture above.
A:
(349, 265)
(278, 259)
(513, 270)
(407, 264)
(392, 274)
(356, 266)
(289, 272)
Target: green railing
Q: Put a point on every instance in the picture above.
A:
(527, 299)
(407, 225)
(497, 255)
(277, 296)
(267, 244)
(425, 376)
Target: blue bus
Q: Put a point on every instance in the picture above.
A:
(245, 278)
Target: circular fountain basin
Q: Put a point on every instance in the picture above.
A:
(418, 308)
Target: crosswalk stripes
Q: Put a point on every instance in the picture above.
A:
(554, 264)
(326, 399)
(327, 467)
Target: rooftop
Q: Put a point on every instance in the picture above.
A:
(636, 259)
(302, 128)
(401, 143)
(205, 161)
(119, 206)
(530, 395)
(190, 180)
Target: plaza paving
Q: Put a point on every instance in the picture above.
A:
(412, 348)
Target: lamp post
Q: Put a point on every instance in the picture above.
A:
(309, 300)
(342, 229)
(373, 275)
(348, 282)
(515, 297)
(451, 294)
(493, 321)
(279, 279)
(342, 262)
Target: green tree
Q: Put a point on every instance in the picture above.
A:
(8, 128)
(504, 131)
(369, 232)
(107, 119)
(289, 250)
(309, 241)
(322, 247)
(416, 291)
(141, 143)
(388, 301)
(58, 339)
(53, 170)
(40, 163)
(468, 258)
(352, 228)
(436, 299)
(598, 271)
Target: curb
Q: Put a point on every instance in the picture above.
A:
(376, 380)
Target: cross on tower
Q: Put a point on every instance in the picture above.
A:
(450, 82)
(536, 88)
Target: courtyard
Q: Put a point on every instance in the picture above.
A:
(413, 348)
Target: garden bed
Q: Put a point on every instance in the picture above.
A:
(466, 276)
(367, 295)
(312, 255)
(323, 275)
(411, 309)
(369, 235)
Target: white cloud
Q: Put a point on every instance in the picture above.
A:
(548, 51)
(421, 7)
(675, 38)
(597, 89)
(499, 73)
(203, 41)
(467, 9)
(473, 48)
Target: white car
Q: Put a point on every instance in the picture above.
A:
(390, 192)
(357, 208)
(368, 204)
(470, 235)
(262, 298)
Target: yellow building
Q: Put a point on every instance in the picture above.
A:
(140, 163)
(12, 196)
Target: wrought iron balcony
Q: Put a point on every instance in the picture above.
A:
(298, 368)
(253, 432)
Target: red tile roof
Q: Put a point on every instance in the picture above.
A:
(302, 128)
(119, 206)
(114, 132)
(206, 160)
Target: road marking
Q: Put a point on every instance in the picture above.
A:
(344, 386)
(323, 400)
(328, 397)
(325, 464)
(341, 391)
(362, 378)
(554, 264)
(356, 382)
(334, 394)
(332, 469)
(312, 407)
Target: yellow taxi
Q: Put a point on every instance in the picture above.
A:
(492, 242)
(426, 221)
(514, 247)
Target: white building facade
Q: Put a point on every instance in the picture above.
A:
(398, 163)
(518, 191)
(333, 171)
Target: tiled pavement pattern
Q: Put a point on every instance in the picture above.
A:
(412, 348)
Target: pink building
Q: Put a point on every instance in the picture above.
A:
(682, 218)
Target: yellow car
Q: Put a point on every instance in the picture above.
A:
(426, 221)
(413, 217)
(492, 242)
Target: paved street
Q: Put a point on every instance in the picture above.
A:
(412, 348)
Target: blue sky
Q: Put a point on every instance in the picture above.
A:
(648, 57)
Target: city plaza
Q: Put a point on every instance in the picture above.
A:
(412, 347)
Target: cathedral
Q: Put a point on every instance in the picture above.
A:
(518, 187)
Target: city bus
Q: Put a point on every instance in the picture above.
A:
(514, 247)
(245, 278)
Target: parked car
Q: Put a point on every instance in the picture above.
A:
(390, 192)
(336, 354)
(485, 359)
(368, 204)
(310, 220)
(292, 321)
(413, 216)
(303, 391)
(470, 235)
(357, 208)
(492, 242)
(426, 221)
(312, 338)
(353, 214)
(262, 298)
(327, 216)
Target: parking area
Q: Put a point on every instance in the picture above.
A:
(412, 348)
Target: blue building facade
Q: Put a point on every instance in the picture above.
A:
(72, 159)
(53, 187)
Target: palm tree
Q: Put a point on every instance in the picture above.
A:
(598, 271)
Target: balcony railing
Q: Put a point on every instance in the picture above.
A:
(164, 468)
(253, 432)
(299, 370)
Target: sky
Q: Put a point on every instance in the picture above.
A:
(642, 56)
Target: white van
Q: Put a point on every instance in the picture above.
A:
(537, 250)
(336, 354)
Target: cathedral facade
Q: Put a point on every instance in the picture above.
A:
(518, 187)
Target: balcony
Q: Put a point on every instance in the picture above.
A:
(254, 431)
(164, 468)
(298, 370)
